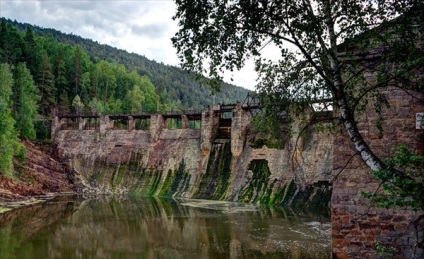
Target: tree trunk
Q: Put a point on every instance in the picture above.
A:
(346, 113)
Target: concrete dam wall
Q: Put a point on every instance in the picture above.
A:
(213, 161)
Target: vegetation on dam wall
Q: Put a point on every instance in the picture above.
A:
(215, 181)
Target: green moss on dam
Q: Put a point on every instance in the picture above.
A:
(218, 182)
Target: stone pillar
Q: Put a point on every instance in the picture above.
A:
(104, 125)
(206, 131)
(184, 122)
(239, 123)
(156, 126)
(131, 123)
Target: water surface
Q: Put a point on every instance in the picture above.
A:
(122, 227)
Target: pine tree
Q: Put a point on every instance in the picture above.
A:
(11, 44)
(46, 86)
(61, 84)
(30, 51)
(78, 70)
(85, 87)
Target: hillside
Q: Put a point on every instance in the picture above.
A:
(172, 83)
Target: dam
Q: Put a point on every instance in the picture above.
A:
(210, 155)
(178, 154)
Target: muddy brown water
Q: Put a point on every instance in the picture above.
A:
(125, 227)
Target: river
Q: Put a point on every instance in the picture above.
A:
(125, 227)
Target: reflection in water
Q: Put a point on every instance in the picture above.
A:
(110, 227)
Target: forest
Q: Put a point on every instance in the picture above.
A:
(44, 70)
(176, 88)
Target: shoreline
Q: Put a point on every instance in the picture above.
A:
(6, 206)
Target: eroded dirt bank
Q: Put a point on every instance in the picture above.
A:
(40, 175)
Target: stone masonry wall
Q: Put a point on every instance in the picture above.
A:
(358, 227)
(193, 163)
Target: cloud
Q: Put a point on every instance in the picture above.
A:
(117, 22)
(152, 30)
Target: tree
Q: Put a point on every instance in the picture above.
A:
(78, 70)
(11, 44)
(96, 106)
(134, 100)
(80, 64)
(8, 136)
(61, 83)
(30, 51)
(77, 104)
(124, 80)
(85, 86)
(221, 35)
(46, 86)
(26, 96)
(106, 81)
(151, 99)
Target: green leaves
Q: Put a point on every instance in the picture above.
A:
(9, 145)
(400, 190)
(77, 104)
(338, 52)
(134, 100)
(26, 97)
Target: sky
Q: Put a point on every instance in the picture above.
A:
(139, 26)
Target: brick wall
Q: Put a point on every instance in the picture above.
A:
(357, 226)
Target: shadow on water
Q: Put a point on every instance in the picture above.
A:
(115, 227)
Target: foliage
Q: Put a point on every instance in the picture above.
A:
(398, 190)
(25, 97)
(9, 145)
(327, 52)
(269, 130)
(11, 44)
(96, 106)
(104, 80)
(42, 129)
(77, 104)
(82, 67)
(134, 100)
(45, 84)
(384, 251)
